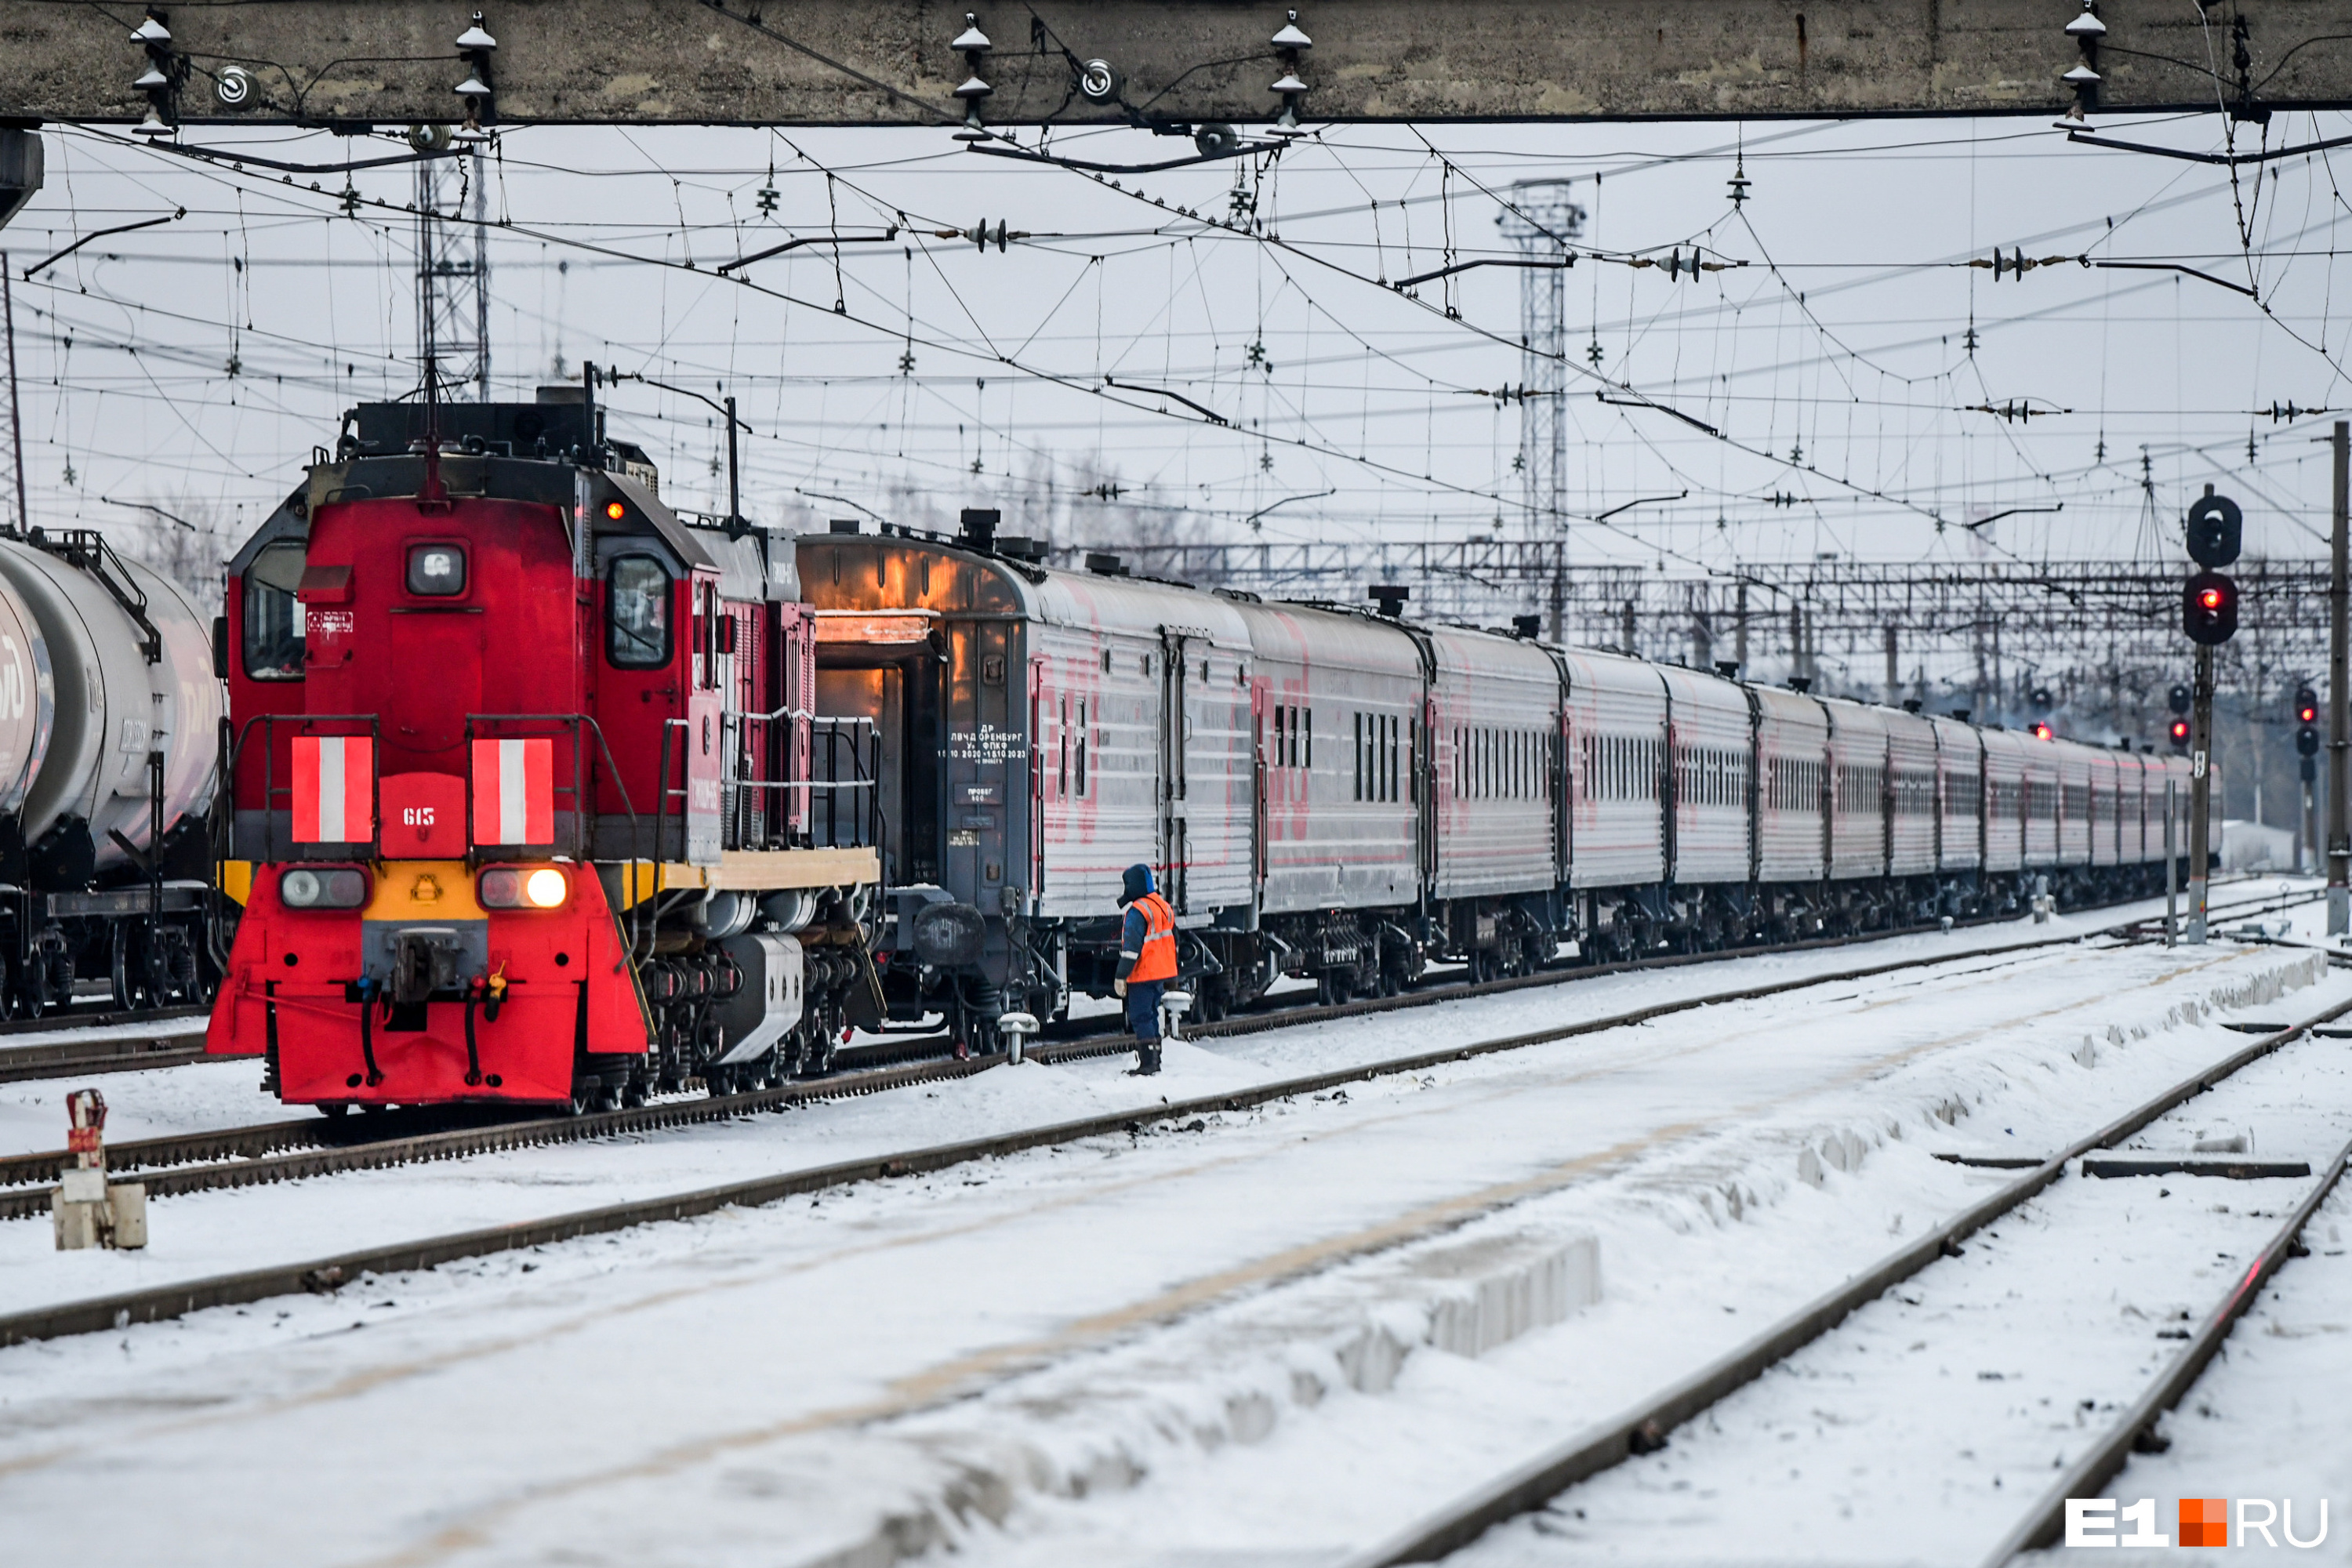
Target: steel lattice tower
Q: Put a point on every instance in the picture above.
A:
(1541, 220)
(453, 290)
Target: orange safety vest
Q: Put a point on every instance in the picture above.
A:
(1157, 960)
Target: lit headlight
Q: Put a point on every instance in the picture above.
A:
(524, 888)
(330, 888)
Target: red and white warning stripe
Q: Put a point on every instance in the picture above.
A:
(335, 789)
(514, 792)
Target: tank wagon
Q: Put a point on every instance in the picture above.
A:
(108, 714)
(1340, 792)
(522, 780)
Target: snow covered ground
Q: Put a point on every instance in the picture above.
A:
(1928, 1425)
(1267, 1338)
(208, 1096)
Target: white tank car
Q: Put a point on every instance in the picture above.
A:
(82, 704)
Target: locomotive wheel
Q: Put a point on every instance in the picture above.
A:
(584, 1096)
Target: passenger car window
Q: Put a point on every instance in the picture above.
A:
(437, 571)
(636, 613)
(273, 616)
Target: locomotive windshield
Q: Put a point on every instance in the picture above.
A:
(636, 612)
(273, 616)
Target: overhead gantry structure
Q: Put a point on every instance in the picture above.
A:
(1157, 62)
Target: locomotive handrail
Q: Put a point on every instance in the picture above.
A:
(588, 838)
(583, 838)
(270, 722)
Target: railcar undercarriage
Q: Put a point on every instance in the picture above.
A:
(999, 966)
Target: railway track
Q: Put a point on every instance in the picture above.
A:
(296, 1149)
(121, 1053)
(300, 1148)
(71, 1059)
(1544, 1484)
(329, 1272)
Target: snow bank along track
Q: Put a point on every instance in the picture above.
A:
(1647, 1428)
(169, 1301)
(295, 1149)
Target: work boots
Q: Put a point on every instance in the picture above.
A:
(1147, 1059)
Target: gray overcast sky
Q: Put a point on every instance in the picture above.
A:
(1834, 365)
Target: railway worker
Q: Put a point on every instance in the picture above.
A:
(1147, 961)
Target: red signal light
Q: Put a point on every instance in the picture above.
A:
(2042, 732)
(2210, 599)
(2180, 729)
(2306, 715)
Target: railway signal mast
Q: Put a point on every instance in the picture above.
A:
(2209, 613)
(2307, 750)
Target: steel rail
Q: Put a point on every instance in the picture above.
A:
(125, 1054)
(1645, 1427)
(66, 1018)
(273, 1151)
(163, 1302)
(1094, 1038)
(2107, 1457)
(244, 1156)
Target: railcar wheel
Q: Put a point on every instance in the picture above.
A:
(584, 1098)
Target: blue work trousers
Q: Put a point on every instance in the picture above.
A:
(1143, 1008)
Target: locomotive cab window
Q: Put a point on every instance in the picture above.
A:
(273, 616)
(437, 571)
(636, 613)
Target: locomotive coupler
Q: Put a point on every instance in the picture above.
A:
(424, 961)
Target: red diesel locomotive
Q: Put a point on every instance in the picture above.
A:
(526, 802)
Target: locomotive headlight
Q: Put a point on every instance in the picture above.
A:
(524, 888)
(546, 888)
(330, 888)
